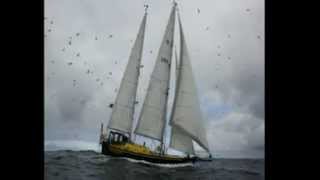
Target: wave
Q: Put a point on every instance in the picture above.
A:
(92, 165)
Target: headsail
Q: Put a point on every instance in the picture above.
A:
(179, 140)
(186, 113)
(153, 114)
(123, 109)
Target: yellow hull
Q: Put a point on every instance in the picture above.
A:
(136, 151)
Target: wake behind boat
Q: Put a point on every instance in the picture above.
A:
(185, 120)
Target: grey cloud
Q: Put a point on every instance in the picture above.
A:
(237, 132)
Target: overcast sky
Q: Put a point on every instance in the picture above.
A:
(87, 45)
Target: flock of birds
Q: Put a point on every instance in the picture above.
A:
(109, 75)
(90, 71)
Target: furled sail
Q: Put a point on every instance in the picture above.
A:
(180, 140)
(186, 113)
(153, 114)
(123, 109)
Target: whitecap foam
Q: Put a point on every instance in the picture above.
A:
(158, 164)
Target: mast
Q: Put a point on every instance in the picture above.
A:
(152, 120)
(165, 111)
(123, 109)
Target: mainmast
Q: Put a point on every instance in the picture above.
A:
(163, 148)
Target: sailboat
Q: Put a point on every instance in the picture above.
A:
(185, 118)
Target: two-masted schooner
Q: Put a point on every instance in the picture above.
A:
(185, 118)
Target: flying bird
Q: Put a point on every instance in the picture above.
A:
(70, 63)
(78, 54)
(49, 30)
(69, 43)
(96, 38)
(198, 10)
(110, 36)
(78, 34)
(247, 9)
(83, 101)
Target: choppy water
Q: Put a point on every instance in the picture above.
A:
(80, 165)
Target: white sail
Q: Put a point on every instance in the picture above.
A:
(123, 108)
(186, 113)
(153, 114)
(180, 140)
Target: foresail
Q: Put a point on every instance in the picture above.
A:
(153, 114)
(186, 113)
(123, 109)
(179, 140)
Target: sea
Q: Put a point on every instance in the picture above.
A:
(91, 165)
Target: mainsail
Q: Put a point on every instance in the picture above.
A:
(186, 113)
(123, 109)
(153, 114)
